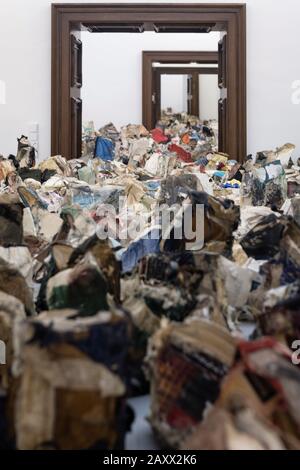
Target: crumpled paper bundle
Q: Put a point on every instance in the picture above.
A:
(184, 287)
(11, 314)
(207, 286)
(11, 220)
(6, 168)
(186, 364)
(26, 153)
(82, 287)
(222, 217)
(258, 404)
(264, 181)
(281, 314)
(233, 429)
(12, 282)
(71, 392)
(56, 164)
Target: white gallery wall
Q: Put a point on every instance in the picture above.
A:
(209, 95)
(174, 93)
(273, 68)
(112, 72)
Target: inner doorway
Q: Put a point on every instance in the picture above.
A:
(183, 85)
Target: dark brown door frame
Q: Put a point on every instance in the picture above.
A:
(220, 17)
(154, 95)
(187, 70)
(194, 72)
(150, 109)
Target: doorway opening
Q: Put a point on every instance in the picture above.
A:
(182, 81)
(70, 20)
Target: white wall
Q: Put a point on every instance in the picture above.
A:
(209, 95)
(174, 93)
(112, 71)
(273, 65)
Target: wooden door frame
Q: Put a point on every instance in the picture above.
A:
(228, 17)
(187, 70)
(172, 57)
(195, 72)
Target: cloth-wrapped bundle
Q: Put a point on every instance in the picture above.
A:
(187, 363)
(71, 388)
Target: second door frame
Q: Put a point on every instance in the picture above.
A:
(150, 111)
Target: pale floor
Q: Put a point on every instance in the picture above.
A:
(141, 436)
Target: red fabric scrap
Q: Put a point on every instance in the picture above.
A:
(181, 153)
(178, 419)
(159, 136)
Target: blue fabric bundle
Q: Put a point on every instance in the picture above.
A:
(143, 246)
(104, 149)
